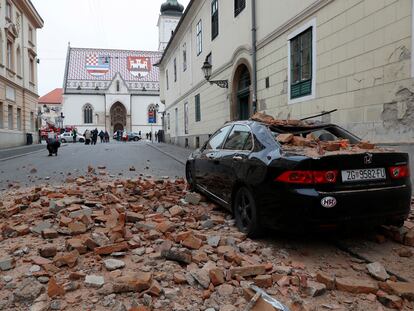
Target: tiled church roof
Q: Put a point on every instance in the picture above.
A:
(80, 66)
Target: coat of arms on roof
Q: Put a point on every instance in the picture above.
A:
(97, 65)
(139, 66)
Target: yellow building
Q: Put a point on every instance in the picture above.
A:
(291, 59)
(19, 21)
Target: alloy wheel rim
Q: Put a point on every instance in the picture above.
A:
(245, 210)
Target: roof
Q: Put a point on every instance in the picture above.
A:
(172, 7)
(90, 68)
(52, 98)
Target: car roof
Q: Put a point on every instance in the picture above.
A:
(284, 127)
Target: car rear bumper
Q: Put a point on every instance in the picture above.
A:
(302, 208)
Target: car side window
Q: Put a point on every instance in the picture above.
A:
(216, 141)
(240, 138)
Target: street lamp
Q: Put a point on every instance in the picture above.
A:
(207, 70)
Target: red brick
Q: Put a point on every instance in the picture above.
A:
(248, 270)
(216, 276)
(109, 249)
(54, 289)
(263, 281)
(192, 242)
(356, 286)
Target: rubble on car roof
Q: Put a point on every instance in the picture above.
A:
(267, 119)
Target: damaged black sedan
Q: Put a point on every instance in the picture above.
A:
(296, 175)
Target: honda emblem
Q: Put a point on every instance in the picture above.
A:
(368, 158)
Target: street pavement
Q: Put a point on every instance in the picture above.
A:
(74, 159)
(19, 151)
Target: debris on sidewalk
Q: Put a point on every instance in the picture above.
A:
(96, 243)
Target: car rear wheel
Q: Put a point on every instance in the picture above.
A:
(63, 140)
(136, 139)
(245, 212)
(81, 140)
(189, 177)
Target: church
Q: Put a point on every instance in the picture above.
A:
(116, 90)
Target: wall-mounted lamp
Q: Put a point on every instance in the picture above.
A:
(207, 69)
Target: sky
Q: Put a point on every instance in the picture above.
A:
(119, 24)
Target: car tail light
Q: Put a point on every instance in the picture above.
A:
(308, 177)
(399, 172)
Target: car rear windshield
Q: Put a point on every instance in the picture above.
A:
(323, 133)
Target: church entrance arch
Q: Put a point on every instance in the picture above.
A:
(118, 117)
(241, 108)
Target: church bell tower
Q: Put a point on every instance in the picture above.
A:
(171, 12)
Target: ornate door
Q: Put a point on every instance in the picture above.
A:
(118, 116)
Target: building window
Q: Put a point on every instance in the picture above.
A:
(166, 80)
(302, 58)
(32, 70)
(1, 116)
(87, 114)
(31, 40)
(214, 19)
(19, 119)
(8, 11)
(197, 108)
(32, 123)
(18, 61)
(184, 57)
(197, 142)
(199, 32)
(239, 6)
(186, 118)
(10, 117)
(175, 70)
(117, 86)
(9, 54)
(168, 121)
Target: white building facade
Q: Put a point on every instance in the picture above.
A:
(291, 59)
(19, 22)
(112, 90)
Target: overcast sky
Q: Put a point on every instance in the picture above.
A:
(119, 24)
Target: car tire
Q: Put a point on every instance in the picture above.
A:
(136, 139)
(189, 177)
(81, 140)
(245, 212)
(63, 141)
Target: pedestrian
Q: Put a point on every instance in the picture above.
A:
(106, 137)
(102, 136)
(87, 135)
(150, 136)
(146, 134)
(156, 136)
(139, 133)
(94, 136)
(74, 134)
(118, 135)
(53, 144)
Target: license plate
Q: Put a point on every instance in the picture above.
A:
(364, 174)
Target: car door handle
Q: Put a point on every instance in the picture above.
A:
(237, 158)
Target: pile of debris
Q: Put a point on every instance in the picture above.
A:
(310, 145)
(96, 244)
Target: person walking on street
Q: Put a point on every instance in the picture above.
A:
(94, 136)
(102, 136)
(125, 136)
(87, 135)
(150, 136)
(118, 135)
(74, 134)
(156, 136)
(53, 144)
(106, 137)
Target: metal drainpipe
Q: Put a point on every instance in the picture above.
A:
(254, 55)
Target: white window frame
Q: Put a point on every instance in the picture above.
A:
(304, 27)
(199, 37)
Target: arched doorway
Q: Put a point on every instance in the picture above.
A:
(118, 117)
(241, 108)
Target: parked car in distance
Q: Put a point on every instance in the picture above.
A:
(296, 186)
(133, 136)
(68, 138)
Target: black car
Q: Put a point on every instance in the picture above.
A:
(265, 183)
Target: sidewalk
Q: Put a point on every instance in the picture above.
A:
(177, 153)
(20, 151)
